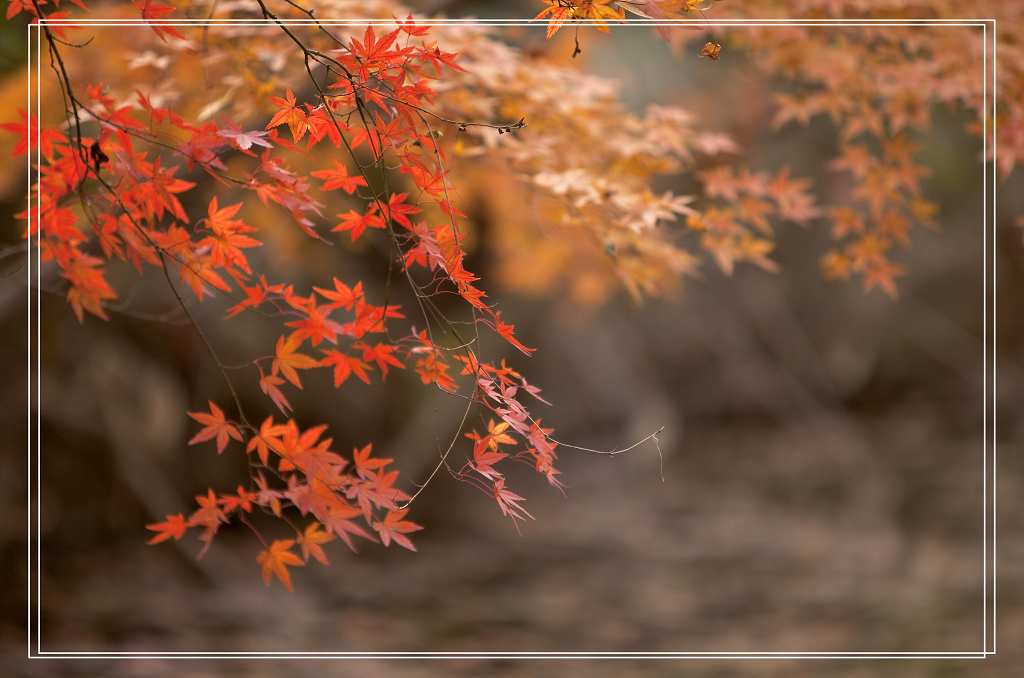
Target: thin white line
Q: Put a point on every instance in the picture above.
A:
(500, 655)
(505, 22)
(28, 342)
(536, 24)
(995, 168)
(518, 22)
(984, 343)
(39, 345)
(432, 655)
(300, 655)
(485, 653)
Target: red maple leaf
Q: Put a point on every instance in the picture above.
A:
(342, 296)
(381, 354)
(344, 366)
(356, 223)
(174, 526)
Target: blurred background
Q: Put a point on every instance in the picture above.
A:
(822, 452)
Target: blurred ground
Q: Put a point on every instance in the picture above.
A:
(822, 480)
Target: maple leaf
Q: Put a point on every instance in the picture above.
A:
(485, 448)
(255, 295)
(268, 438)
(287, 359)
(344, 366)
(509, 501)
(507, 332)
(338, 520)
(882, 274)
(371, 52)
(433, 370)
(411, 28)
(366, 465)
(496, 435)
(322, 125)
(398, 210)
(381, 354)
(89, 287)
(393, 528)
(267, 496)
(356, 223)
(342, 296)
(370, 318)
(209, 516)
(246, 140)
(289, 114)
(174, 526)
(219, 218)
(215, 425)
(269, 385)
(29, 135)
(836, 265)
(228, 239)
(241, 500)
(276, 559)
(561, 11)
(16, 7)
(311, 455)
(311, 542)
(154, 11)
(316, 325)
(339, 178)
(376, 489)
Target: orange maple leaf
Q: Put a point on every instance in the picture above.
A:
(268, 438)
(287, 359)
(276, 559)
(312, 539)
(289, 114)
(215, 425)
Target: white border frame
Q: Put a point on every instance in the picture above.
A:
(34, 414)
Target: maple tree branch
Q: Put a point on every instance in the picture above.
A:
(424, 302)
(653, 437)
(63, 78)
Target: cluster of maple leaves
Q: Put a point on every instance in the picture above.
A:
(110, 189)
(880, 86)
